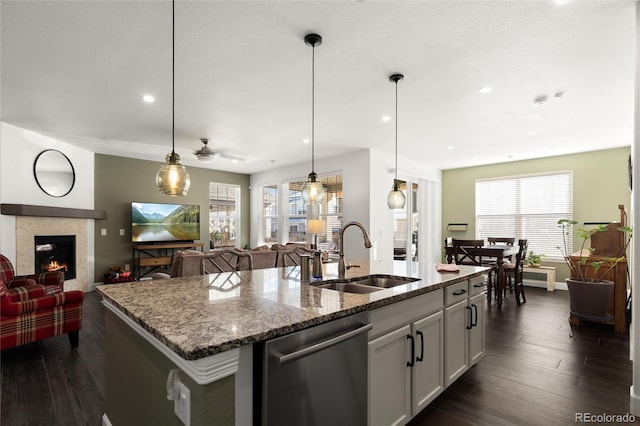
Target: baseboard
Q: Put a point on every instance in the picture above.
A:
(105, 420)
(543, 284)
(634, 402)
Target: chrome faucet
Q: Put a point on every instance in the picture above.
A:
(342, 269)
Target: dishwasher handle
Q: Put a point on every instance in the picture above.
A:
(317, 347)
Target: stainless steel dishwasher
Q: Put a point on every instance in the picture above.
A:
(317, 376)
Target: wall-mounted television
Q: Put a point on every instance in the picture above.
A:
(158, 222)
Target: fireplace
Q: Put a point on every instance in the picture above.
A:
(56, 253)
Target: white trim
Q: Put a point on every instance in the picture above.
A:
(634, 404)
(105, 420)
(203, 371)
(543, 284)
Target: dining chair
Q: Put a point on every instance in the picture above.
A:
(291, 257)
(226, 261)
(464, 254)
(514, 272)
(501, 240)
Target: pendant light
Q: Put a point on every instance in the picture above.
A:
(396, 198)
(173, 178)
(312, 191)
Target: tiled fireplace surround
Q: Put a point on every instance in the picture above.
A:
(28, 227)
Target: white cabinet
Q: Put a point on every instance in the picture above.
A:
(390, 378)
(406, 358)
(456, 341)
(419, 346)
(464, 327)
(476, 332)
(427, 380)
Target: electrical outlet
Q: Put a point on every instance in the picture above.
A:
(103, 232)
(182, 404)
(121, 231)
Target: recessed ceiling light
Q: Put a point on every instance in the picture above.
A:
(561, 1)
(450, 147)
(305, 141)
(386, 118)
(531, 133)
(148, 99)
(485, 89)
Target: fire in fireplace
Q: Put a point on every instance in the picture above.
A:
(56, 253)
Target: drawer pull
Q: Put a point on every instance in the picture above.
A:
(459, 292)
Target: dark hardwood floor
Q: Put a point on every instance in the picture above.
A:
(533, 374)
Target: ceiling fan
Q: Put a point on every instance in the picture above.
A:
(208, 154)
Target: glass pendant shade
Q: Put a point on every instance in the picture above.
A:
(396, 198)
(173, 178)
(312, 191)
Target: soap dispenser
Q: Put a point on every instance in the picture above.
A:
(317, 265)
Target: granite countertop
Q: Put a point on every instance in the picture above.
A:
(200, 316)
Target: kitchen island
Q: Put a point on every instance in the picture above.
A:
(204, 327)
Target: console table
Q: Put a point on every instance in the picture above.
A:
(150, 257)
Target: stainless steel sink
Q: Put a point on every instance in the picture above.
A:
(349, 287)
(365, 284)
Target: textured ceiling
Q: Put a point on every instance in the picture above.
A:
(76, 70)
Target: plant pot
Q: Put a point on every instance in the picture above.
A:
(590, 300)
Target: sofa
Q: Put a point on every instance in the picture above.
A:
(189, 262)
(28, 313)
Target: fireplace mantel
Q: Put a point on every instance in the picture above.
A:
(44, 211)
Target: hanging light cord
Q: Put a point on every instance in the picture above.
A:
(173, 78)
(396, 178)
(313, 105)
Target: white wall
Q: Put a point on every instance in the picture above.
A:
(18, 150)
(367, 179)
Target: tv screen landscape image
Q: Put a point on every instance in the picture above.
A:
(156, 222)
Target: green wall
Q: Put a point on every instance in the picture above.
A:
(119, 181)
(600, 183)
(135, 384)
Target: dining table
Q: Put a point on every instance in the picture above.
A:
(489, 252)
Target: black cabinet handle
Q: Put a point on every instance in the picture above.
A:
(413, 350)
(478, 285)
(421, 357)
(470, 318)
(475, 315)
(459, 292)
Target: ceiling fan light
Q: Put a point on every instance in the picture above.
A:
(173, 178)
(396, 198)
(312, 191)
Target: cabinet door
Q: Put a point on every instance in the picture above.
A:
(390, 378)
(476, 333)
(455, 340)
(428, 369)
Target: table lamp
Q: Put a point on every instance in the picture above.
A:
(315, 227)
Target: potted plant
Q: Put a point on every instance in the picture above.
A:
(589, 297)
(600, 267)
(534, 260)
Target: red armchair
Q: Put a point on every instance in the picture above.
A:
(53, 281)
(28, 314)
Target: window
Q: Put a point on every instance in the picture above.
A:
(283, 206)
(526, 207)
(270, 214)
(330, 210)
(224, 215)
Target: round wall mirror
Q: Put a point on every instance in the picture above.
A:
(54, 173)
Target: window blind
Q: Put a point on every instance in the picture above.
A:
(526, 207)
